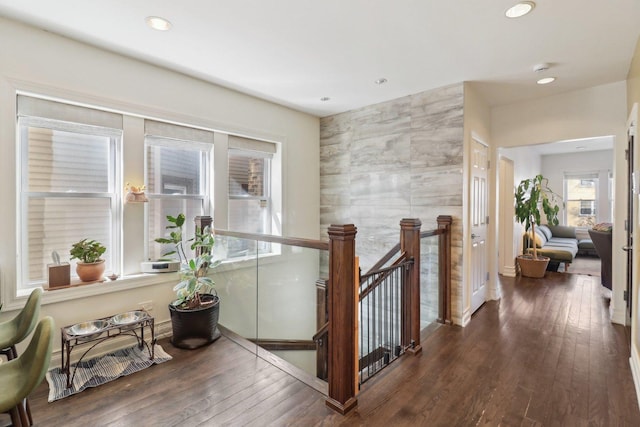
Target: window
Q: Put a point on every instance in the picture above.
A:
(581, 196)
(71, 172)
(250, 204)
(587, 208)
(69, 186)
(250, 185)
(178, 169)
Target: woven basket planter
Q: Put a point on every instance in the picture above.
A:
(533, 267)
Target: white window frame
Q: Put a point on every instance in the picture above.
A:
(130, 161)
(582, 176)
(206, 174)
(114, 196)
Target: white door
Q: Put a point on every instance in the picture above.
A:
(479, 218)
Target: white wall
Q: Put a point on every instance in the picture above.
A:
(40, 61)
(526, 164)
(596, 111)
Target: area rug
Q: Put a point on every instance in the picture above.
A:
(102, 369)
(583, 265)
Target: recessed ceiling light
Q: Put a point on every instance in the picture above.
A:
(546, 80)
(520, 9)
(380, 81)
(325, 99)
(158, 23)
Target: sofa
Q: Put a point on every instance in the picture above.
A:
(559, 243)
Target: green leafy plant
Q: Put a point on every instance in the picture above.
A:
(532, 196)
(87, 251)
(175, 238)
(193, 272)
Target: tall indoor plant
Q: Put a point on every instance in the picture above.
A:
(195, 312)
(532, 196)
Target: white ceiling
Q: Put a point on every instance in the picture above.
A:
(574, 146)
(294, 52)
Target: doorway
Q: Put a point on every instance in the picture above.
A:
(479, 220)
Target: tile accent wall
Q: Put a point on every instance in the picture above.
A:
(397, 159)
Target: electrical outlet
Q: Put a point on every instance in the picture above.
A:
(147, 306)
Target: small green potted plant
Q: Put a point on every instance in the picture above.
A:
(532, 197)
(89, 266)
(195, 312)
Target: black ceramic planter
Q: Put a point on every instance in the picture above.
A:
(198, 327)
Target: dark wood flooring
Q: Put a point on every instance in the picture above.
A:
(545, 355)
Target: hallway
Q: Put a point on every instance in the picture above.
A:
(545, 355)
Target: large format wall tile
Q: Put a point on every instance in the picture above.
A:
(438, 186)
(397, 159)
(381, 189)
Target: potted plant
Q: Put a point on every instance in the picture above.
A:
(533, 196)
(174, 239)
(195, 312)
(89, 266)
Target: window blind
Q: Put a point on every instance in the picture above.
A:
(44, 108)
(241, 143)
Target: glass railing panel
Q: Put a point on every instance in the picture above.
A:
(290, 302)
(429, 254)
(237, 284)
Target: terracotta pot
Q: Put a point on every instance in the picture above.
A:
(90, 271)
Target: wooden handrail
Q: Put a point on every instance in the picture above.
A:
(291, 241)
(394, 250)
(386, 272)
(385, 259)
(322, 331)
(431, 233)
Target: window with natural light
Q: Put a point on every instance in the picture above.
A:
(69, 185)
(70, 180)
(581, 199)
(178, 168)
(250, 206)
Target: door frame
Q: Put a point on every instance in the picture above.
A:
(506, 215)
(467, 230)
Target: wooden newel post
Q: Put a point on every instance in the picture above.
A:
(342, 318)
(410, 244)
(444, 269)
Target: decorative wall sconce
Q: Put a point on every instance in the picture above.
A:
(135, 194)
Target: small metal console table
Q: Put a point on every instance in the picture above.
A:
(97, 331)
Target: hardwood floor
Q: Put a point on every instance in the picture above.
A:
(544, 355)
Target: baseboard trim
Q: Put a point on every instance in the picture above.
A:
(509, 271)
(634, 361)
(617, 316)
(466, 318)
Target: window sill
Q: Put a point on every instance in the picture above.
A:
(133, 281)
(124, 283)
